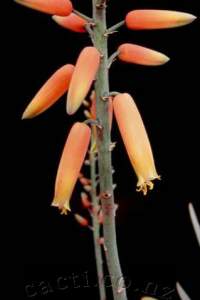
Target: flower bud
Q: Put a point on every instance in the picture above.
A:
(50, 92)
(132, 53)
(72, 158)
(84, 74)
(157, 19)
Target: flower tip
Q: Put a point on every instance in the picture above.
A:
(189, 18)
(148, 185)
(70, 107)
(54, 17)
(70, 110)
(25, 115)
(55, 202)
(64, 209)
(164, 59)
(193, 18)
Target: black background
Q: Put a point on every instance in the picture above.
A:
(155, 238)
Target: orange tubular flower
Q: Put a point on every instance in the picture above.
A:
(136, 141)
(71, 22)
(50, 92)
(85, 72)
(157, 19)
(53, 7)
(132, 53)
(70, 164)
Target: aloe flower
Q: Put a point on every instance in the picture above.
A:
(132, 53)
(53, 7)
(136, 141)
(72, 158)
(84, 74)
(71, 22)
(157, 19)
(50, 92)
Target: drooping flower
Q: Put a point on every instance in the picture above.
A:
(53, 7)
(72, 158)
(157, 19)
(50, 92)
(136, 141)
(84, 74)
(132, 53)
(71, 22)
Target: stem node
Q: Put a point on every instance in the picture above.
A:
(107, 33)
(93, 122)
(104, 98)
(106, 195)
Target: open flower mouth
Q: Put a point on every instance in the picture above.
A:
(146, 185)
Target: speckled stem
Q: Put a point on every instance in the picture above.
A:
(104, 153)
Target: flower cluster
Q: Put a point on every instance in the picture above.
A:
(77, 81)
